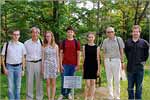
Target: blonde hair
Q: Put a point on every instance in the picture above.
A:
(91, 33)
(136, 27)
(53, 44)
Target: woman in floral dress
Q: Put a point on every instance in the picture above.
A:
(50, 62)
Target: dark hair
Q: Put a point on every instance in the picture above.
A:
(10, 31)
(70, 28)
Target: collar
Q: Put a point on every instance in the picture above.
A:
(114, 39)
(136, 41)
(38, 41)
(14, 42)
(69, 39)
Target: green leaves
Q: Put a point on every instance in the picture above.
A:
(57, 15)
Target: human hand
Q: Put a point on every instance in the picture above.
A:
(122, 66)
(61, 69)
(77, 68)
(5, 71)
(23, 73)
(42, 70)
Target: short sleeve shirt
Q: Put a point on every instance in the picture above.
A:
(15, 52)
(111, 47)
(70, 52)
(34, 50)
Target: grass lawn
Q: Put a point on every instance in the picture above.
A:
(78, 92)
(148, 64)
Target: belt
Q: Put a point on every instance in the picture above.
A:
(15, 65)
(35, 61)
(110, 59)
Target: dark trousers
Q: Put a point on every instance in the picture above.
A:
(135, 78)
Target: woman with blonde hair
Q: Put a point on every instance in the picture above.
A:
(50, 62)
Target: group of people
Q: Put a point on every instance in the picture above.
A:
(44, 59)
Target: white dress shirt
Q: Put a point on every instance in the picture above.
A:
(15, 52)
(34, 50)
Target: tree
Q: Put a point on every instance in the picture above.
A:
(57, 15)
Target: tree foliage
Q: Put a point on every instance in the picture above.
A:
(57, 15)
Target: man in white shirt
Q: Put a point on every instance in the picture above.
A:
(14, 64)
(33, 61)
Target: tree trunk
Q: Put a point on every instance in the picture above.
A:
(98, 26)
(5, 28)
(143, 12)
(124, 25)
(56, 20)
(136, 12)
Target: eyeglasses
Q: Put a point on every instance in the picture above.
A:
(16, 34)
(90, 36)
(47, 36)
(110, 31)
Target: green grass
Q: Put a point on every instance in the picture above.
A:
(146, 87)
(78, 92)
(148, 62)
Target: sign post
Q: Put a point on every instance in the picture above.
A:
(72, 82)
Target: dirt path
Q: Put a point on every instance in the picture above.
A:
(101, 93)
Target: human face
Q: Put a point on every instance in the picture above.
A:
(35, 33)
(91, 38)
(136, 33)
(70, 33)
(110, 33)
(48, 37)
(16, 35)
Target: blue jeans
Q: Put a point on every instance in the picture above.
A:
(137, 79)
(14, 81)
(68, 71)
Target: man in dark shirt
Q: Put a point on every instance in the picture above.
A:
(136, 50)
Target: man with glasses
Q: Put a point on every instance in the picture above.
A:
(113, 60)
(13, 65)
(33, 61)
